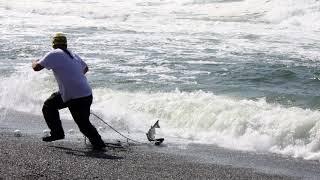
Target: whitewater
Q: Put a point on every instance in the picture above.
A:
(240, 74)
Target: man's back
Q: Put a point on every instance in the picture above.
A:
(69, 73)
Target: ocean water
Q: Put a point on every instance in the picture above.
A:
(240, 74)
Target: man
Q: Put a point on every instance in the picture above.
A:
(74, 92)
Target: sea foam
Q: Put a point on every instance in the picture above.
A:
(204, 117)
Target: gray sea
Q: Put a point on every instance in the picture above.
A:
(239, 74)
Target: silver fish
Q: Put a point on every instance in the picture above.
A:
(151, 134)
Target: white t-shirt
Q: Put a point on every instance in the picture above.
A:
(68, 72)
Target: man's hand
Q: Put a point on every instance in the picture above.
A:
(36, 66)
(86, 69)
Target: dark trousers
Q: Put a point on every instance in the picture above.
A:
(80, 111)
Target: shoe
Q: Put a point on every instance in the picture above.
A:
(101, 148)
(52, 138)
(94, 149)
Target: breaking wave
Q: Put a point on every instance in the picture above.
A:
(204, 117)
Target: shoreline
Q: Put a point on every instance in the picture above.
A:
(68, 158)
(27, 157)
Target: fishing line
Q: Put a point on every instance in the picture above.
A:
(114, 128)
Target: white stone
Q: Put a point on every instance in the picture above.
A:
(17, 133)
(46, 132)
(71, 131)
(101, 129)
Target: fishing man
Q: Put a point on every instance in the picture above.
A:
(74, 92)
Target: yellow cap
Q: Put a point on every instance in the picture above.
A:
(59, 39)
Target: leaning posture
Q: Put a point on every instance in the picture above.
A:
(74, 92)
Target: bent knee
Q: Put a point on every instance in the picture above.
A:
(45, 108)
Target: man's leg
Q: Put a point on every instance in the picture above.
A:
(50, 112)
(80, 110)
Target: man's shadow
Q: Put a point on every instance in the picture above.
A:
(89, 153)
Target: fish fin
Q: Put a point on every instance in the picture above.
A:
(156, 125)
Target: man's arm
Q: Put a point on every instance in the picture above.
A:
(36, 66)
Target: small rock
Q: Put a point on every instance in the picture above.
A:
(101, 129)
(71, 131)
(17, 133)
(46, 132)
